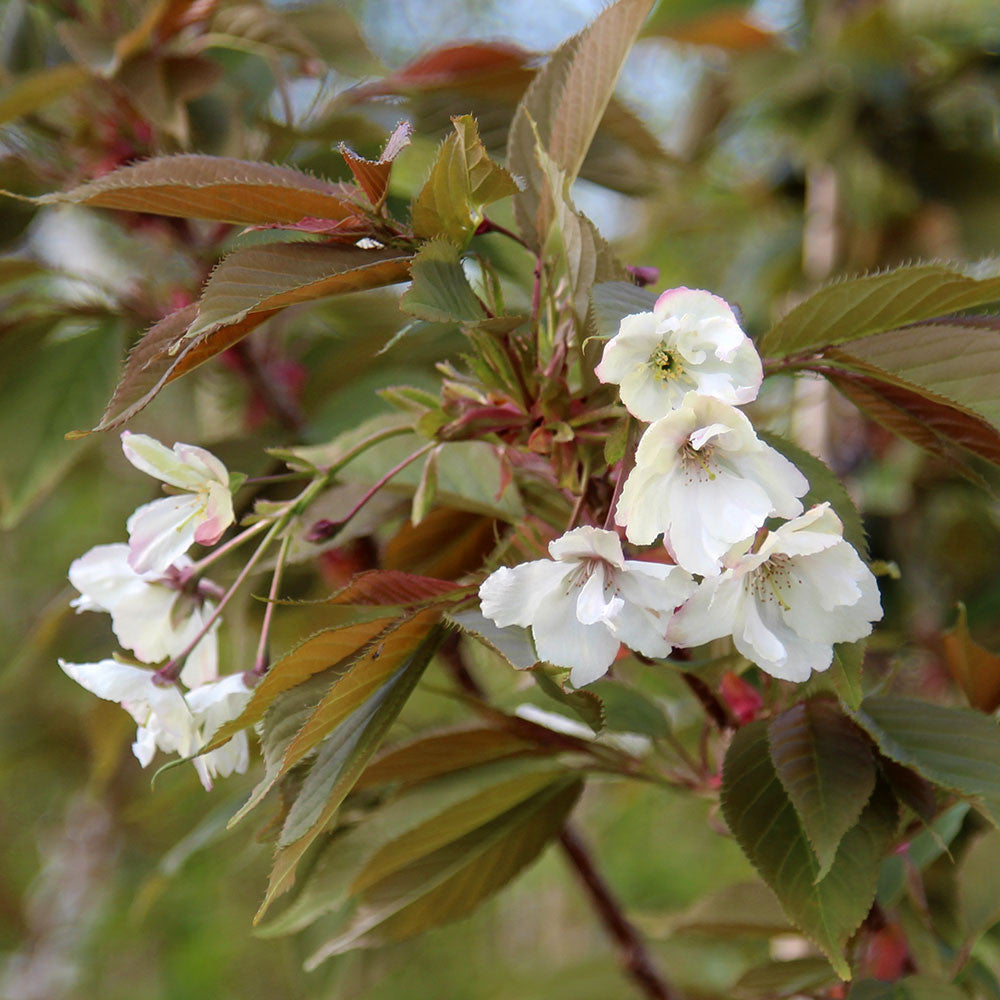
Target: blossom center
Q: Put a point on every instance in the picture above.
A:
(666, 364)
(772, 581)
(698, 462)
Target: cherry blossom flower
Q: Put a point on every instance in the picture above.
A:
(690, 342)
(164, 720)
(164, 529)
(788, 602)
(587, 600)
(704, 480)
(150, 613)
(213, 705)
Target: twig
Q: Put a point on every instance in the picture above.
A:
(631, 949)
(713, 708)
(262, 659)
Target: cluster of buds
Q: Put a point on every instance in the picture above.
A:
(705, 483)
(162, 612)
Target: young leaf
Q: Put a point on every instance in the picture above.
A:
(266, 278)
(462, 182)
(825, 765)
(766, 826)
(373, 175)
(932, 423)
(823, 485)
(955, 748)
(585, 705)
(957, 359)
(391, 587)
(612, 301)
(410, 826)
(340, 763)
(976, 670)
(513, 643)
(33, 91)
(434, 754)
(423, 499)
(857, 307)
(566, 102)
(214, 188)
(383, 658)
(453, 880)
(317, 654)
(441, 292)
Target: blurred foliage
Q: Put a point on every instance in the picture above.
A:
(755, 150)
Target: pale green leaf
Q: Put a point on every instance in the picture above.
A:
(612, 301)
(857, 307)
(33, 91)
(441, 292)
(909, 988)
(777, 980)
(955, 748)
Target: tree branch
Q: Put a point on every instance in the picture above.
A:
(632, 953)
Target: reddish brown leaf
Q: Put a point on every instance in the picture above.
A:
(349, 229)
(439, 753)
(931, 422)
(392, 587)
(480, 67)
(446, 544)
(724, 29)
(215, 188)
(373, 175)
(975, 669)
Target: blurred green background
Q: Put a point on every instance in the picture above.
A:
(761, 149)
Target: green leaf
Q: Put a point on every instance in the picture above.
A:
(910, 988)
(317, 654)
(278, 275)
(766, 826)
(340, 762)
(33, 91)
(412, 825)
(53, 380)
(742, 909)
(824, 484)
(453, 880)
(585, 705)
(979, 886)
(565, 104)
(215, 188)
(955, 748)
(512, 643)
(627, 710)
(857, 307)
(776, 980)
(612, 301)
(462, 182)
(441, 292)
(924, 849)
(958, 359)
(825, 765)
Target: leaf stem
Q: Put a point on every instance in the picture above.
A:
(489, 226)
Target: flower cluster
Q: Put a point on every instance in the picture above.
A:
(161, 610)
(706, 483)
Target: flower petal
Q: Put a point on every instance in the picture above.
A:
(161, 531)
(157, 460)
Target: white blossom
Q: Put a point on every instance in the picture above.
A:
(704, 480)
(587, 600)
(163, 530)
(787, 603)
(690, 342)
(164, 720)
(150, 613)
(213, 705)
